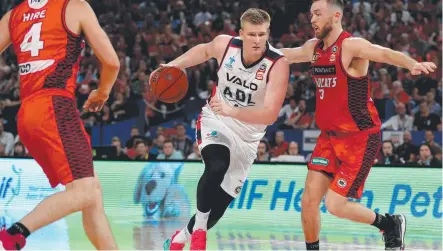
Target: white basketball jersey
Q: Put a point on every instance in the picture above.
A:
(243, 86)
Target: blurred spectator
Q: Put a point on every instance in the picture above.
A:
(169, 152)
(279, 146)
(7, 139)
(426, 157)
(288, 111)
(434, 107)
(301, 118)
(387, 156)
(399, 122)
(181, 141)
(19, 150)
(120, 155)
(407, 151)
(3, 150)
(291, 155)
(158, 144)
(142, 152)
(262, 151)
(424, 120)
(429, 140)
(195, 155)
(135, 135)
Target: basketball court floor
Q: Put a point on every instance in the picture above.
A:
(150, 235)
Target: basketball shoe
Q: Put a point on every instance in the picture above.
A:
(170, 245)
(395, 238)
(198, 240)
(11, 242)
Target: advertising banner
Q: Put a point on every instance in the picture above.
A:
(23, 185)
(147, 202)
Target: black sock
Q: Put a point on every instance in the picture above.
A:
(382, 223)
(313, 245)
(18, 228)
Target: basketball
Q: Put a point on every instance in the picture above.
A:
(169, 84)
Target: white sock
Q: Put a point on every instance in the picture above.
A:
(201, 220)
(182, 237)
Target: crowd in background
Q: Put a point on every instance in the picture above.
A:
(147, 33)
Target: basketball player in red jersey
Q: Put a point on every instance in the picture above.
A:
(47, 37)
(349, 123)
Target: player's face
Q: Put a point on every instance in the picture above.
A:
(254, 37)
(322, 18)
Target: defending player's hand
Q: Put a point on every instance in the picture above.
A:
(96, 101)
(219, 107)
(423, 67)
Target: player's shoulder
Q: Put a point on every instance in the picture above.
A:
(223, 39)
(312, 42)
(273, 53)
(354, 43)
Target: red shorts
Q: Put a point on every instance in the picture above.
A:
(347, 157)
(50, 128)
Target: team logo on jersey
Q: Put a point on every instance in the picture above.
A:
(334, 49)
(332, 58)
(315, 57)
(37, 4)
(260, 72)
(229, 64)
(342, 183)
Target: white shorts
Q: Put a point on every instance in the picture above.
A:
(213, 131)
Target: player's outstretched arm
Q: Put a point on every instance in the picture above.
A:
(274, 97)
(300, 54)
(202, 53)
(5, 37)
(362, 48)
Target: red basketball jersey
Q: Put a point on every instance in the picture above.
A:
(343, 103)
(47, 51)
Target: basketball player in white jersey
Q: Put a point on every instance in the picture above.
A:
(251, 87)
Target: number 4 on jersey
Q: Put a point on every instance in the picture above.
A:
(32, 41)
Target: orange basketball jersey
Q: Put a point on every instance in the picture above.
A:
(47, 51)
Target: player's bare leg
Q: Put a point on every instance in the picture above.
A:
(392, 226)
(339, 206)
(79, 194)
(96, 225)
(316, 186)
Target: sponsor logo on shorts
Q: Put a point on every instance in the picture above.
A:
(238, 189)
(342, 183)
(320, 161)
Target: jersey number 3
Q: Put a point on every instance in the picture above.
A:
(322, 93)
(32, 41)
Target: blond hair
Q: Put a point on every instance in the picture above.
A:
(255, 16)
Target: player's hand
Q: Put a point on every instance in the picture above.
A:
(96, 101)
(423, 67)
(219, 108)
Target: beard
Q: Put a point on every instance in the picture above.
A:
(325, 31)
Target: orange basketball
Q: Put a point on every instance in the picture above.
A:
(169, 84)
